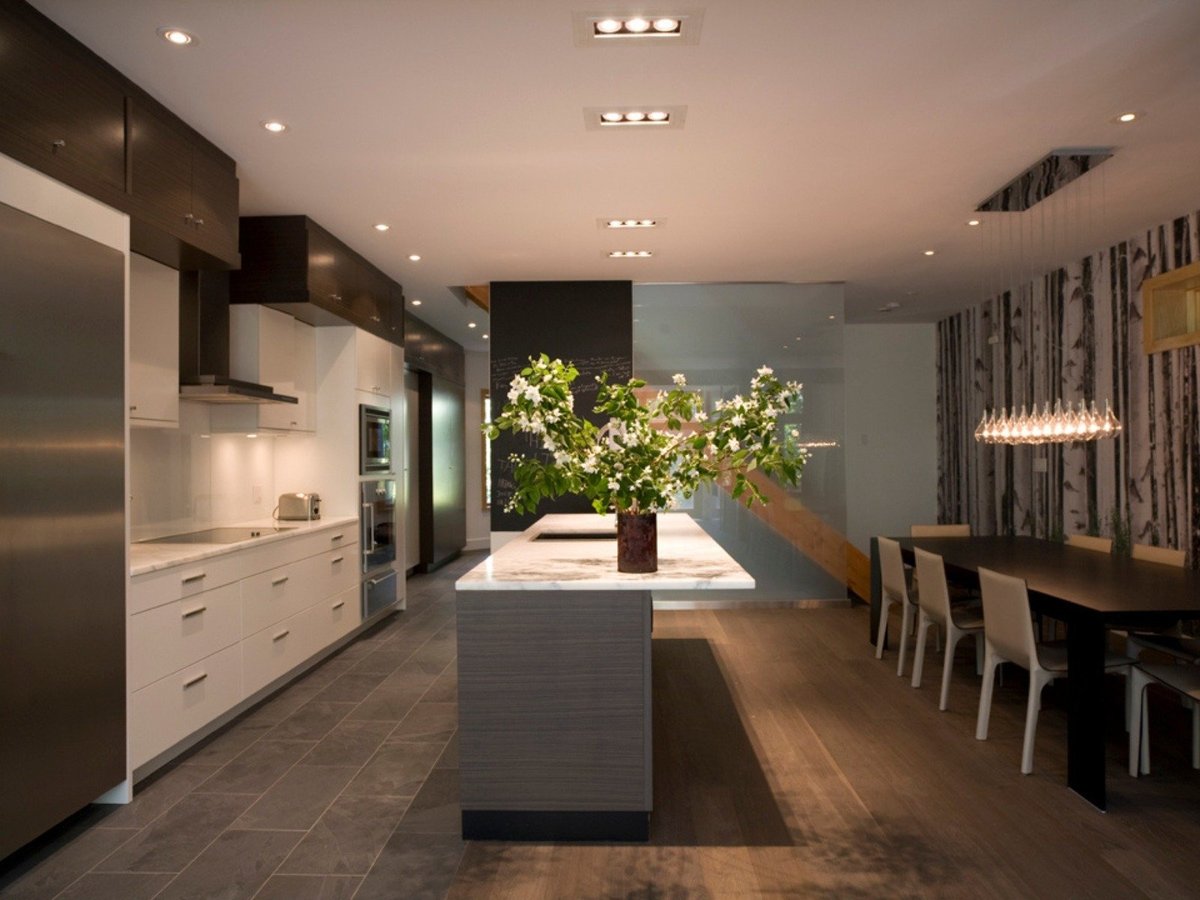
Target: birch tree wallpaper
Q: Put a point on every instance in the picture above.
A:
(1075, 333)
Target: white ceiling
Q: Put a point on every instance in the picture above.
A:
(825, 140)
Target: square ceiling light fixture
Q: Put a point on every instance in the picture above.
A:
(649, 116)
(615, 223)
(662, 28)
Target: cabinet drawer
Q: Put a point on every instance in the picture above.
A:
(156, 588)
(273, 651)
(335, 616)
(344, 537)
(272, 596)
(170, 709)
(165, 639)
(336, 571)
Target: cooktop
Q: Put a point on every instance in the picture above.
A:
(218, 535)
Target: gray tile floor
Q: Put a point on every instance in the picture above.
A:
(344, 784)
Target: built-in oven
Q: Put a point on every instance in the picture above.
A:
(374, 439)
(378, 545)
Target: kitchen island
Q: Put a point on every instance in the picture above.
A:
(555, 678)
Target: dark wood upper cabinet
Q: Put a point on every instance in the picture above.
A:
(58, 113)
(68, 113)
(292, 264)
(180, 185)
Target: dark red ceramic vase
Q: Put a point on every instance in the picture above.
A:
(637, 542)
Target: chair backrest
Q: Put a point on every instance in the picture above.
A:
(1087, 542)
(891, 570)
(935, 531)
(932, 593)
(1164, 555)
(1007, 623)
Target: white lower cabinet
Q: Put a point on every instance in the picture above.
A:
(195, 654)
(165, 712)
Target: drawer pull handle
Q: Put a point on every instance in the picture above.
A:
(195, 679)
(279, 581)
(339, 604)
(194, 612)
(193, 578)
(337, 537)
(339, 559)
(282, 634)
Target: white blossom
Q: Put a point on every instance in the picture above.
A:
(679, 379)
(765, 370)
(737, 420)
(734, 445)
(533, 394)
(701, 415)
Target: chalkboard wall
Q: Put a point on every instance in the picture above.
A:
(588, 323)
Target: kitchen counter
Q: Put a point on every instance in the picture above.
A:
(151, 557)
(688, 559)
(554, 678)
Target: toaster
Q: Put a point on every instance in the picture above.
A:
(294, 507)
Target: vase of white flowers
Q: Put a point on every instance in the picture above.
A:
(654, 448)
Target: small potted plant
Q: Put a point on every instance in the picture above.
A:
(651, 451)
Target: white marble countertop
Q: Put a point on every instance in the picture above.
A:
(148, 556)
(688, 560)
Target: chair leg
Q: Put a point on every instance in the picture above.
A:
(978, 653)
(953, 636)
(881, 636)
(1032, 707)
(1145, 755)
(990, 662)
(906, 623)
(923, 623)
(1195, 736)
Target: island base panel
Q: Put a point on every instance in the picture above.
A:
(554, 825)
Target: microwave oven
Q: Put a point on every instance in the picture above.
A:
(374, 439)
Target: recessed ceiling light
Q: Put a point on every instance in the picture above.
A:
(609, 26)
(416, 302)
(176, 36)
(832, 318)
(382, 226)
(629, 254)
(657, 115)
(972, 221)
(472, 325)
(274, 127)
(1127, 117)
(252, 435)
(666, 25)
(636, 27)
(484, 336)
(930, 252)
(630, 223)
(414, 257)
(672, 28)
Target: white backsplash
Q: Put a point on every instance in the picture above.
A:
(182, 481)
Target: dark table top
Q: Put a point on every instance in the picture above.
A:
(1120, 589)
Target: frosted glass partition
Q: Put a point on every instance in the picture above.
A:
(718, 335)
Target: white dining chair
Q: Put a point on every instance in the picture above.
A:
(1008, 637)
(1164, 556)
(1184, 680)
(894, 590)
(1090, 542)
(1169, 639)
(933, 601)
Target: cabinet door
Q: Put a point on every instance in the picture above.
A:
(304, 361)
(161, 166)
(58, 114)
(214, 202)
(374, 364)
(153, 342)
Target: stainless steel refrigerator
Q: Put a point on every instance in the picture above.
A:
(62, 524)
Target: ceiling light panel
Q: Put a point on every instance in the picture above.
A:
(645, 117)
(615, 223)
(629, 254)
(658, 28)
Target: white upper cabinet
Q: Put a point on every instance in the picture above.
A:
(272, 348)
(153, 343)
(374, 357)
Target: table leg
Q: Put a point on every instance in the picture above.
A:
(1085, 723)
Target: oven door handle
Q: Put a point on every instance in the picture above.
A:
(368, 524)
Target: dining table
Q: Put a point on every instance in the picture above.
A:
(1091, 592)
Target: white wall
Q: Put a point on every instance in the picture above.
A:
(479, 521)
(891, 429)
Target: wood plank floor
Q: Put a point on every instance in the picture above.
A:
(788, 763)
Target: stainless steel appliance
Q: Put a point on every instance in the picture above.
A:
(299, 507)
(374, 439)
(378, 545)
(62, 524)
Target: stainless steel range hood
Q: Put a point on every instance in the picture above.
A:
(204, 345)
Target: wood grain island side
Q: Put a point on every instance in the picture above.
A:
(554, 678)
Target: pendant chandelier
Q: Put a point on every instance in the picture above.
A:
(1058, 427)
